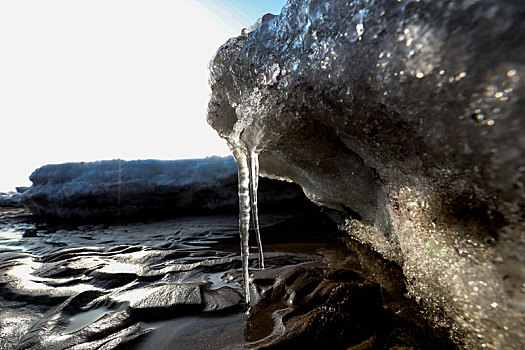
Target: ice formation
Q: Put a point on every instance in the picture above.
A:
(246, 153)
(142, 187)
(244, 215)
(406, 117)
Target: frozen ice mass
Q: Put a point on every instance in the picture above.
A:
(141, 188)
(406, 118)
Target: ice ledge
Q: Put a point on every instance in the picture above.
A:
(152, 188)
(407, 117)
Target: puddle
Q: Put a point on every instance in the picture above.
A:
(84, 319)
(10, 239)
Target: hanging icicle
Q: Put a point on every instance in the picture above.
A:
(244, 214)
(254, 184)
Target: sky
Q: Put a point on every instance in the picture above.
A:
(86, 80)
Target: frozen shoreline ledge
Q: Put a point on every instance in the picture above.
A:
(407, 118)
(144, 188)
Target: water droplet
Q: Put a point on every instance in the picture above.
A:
(511, 73)
(498, 94)
(420, 75)
(494, 304)
(360, 29)
(441, 72)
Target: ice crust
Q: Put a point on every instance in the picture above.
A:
(114, 187)
(141, 188)
(406, 117)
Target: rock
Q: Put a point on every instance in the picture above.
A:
(146, 188)
(407, 119)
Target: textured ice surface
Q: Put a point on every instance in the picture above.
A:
(127, 187)
(247, 159)
(244, 215)
(145, 187)
(407, 117)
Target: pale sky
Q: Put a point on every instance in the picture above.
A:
(105, 79)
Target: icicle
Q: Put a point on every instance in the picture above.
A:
(244, 214)
(254, 184)
(248, 171)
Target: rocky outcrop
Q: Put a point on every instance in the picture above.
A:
(407, 118)
(151, 188)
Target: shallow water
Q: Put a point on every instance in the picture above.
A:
(84, 319)
(175, 283)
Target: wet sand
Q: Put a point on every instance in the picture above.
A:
(178, 284)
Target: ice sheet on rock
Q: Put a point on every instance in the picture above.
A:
(407, 118)
(128, 187)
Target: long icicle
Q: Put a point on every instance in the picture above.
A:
(254, 184)
(244, 214)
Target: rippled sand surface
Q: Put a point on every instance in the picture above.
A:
(177, 284)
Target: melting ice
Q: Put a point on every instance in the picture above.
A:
(248, 171)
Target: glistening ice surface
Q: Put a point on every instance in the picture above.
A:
(406, 117)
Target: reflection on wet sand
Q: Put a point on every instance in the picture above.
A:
(178, 284)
